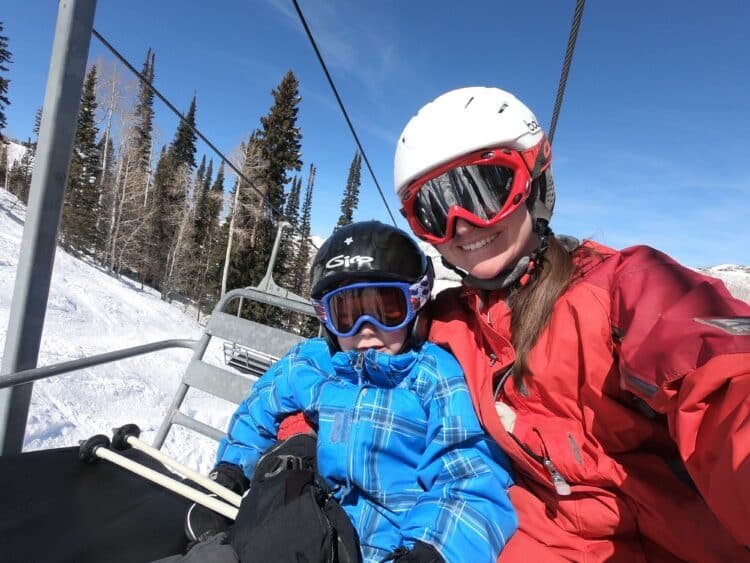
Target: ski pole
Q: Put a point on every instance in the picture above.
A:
(98, 447)
(127, 436)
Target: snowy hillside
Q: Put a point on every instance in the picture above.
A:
(15, 153)
(736, 278)
(91, 312)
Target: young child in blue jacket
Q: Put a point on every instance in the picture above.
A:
(398, 442)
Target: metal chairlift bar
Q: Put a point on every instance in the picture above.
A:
(62, 99)
(35, 374)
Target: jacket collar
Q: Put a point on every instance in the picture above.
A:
(377, 368)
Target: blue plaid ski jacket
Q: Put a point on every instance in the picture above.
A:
(398, 441)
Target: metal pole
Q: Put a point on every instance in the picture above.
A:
(75, 19)
(267, 282)
(35, 374)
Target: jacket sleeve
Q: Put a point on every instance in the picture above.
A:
(254, 425)
(684, 349)
(464, 508)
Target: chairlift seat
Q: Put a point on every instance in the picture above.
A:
(248, 346)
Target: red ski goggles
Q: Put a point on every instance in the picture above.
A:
(482, 187)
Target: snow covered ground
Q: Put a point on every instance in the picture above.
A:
(15, 153)
(91, 312)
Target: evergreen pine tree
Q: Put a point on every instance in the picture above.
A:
(19, 176)
(171, 186)
(281, 139)
(202, 193)
(162, 204)
(81, 204)
(292, 203)
(5, 59)
(183, 146)
(290, 239)
(3, 164)
(215, 201)
(37, 125)
(211, 247)
(350, 200)
(279, 142)
(144, 116)
(301, 261)
(200, 175)
(307, 326)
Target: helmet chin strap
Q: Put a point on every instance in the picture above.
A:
(525, 268)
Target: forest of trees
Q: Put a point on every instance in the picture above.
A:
(164, 217)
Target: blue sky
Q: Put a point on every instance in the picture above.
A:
(650, 146)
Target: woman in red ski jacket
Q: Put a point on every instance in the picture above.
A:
(618, 382)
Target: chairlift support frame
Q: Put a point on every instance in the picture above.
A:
(62, 98)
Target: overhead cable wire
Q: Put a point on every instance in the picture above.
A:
(572, 37)
(195, 130)
(341, 105)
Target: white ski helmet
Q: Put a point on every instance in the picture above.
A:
(466, 120)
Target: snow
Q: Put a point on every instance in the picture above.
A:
(734, 276)
(92, 312)
(15, 153)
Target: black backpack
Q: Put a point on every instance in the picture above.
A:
(289, 513)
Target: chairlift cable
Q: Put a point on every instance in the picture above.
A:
(341, 106)
(224, 159)
(578, 14)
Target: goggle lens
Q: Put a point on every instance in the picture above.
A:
(479, 189)
(385, 305)
(389, 306)
(482, 187)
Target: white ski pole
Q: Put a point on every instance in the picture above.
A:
(98, 447)
(127, 436)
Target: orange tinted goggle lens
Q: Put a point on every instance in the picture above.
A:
(385, 305)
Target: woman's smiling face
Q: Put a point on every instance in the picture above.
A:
(485, 252)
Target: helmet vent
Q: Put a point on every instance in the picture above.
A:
(467, 103)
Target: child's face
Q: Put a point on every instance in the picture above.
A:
(370, 336)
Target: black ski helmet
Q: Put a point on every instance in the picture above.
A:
(371, 250)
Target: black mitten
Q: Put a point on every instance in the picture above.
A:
(420, 553)
(200, 522)
(230, 476)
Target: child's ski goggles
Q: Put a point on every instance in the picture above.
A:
(482, 188)
(389, 306)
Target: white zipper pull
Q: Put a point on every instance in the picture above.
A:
(561, 485)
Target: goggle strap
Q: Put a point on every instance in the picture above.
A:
(537, 158)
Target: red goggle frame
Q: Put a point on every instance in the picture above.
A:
(482, 188)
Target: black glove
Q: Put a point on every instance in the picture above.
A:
(200, 522)
(420, 553)
(230, 476)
